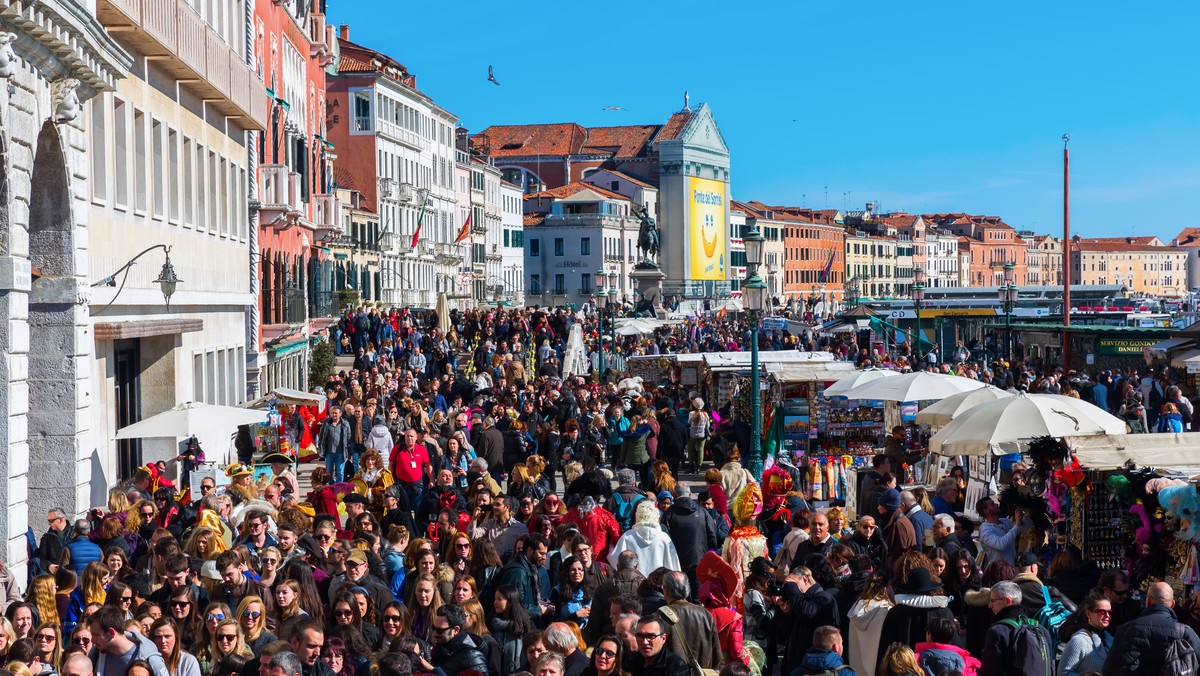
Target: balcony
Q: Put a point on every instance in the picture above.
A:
(400, 134)
(279, 196)
(173, 34)
(449, 254)
(327, 214)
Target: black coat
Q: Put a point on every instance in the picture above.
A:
(672, 438)
(692, 530)
(906, 620)
(810, 609)
(460, 654)
(1140, 644)
(667, 664)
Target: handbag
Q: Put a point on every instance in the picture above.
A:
(693, 663)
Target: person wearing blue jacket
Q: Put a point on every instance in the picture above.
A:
(825, 655)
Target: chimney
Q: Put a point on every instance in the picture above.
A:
(344, 32)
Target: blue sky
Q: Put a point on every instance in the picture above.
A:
(925, 107)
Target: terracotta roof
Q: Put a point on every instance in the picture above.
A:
(570, 189)
(1188, 237)
(674, 126)
(628, 141)
(1091, 245)
(354, 58)
(787, 213)
(533, 220)
(626, 177)
(1147, 239)
(521, 140)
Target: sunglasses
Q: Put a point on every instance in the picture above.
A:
(391, 618)
(47, 637)
(180, 604)
(344, 613)
(252, 614)
(605, 652)
(144, 513)
(215, 617)
(271, 561)
(1105, 613)
(226, 637)
(127, 599)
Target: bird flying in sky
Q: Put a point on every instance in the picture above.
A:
(612, 108)
(492, 77)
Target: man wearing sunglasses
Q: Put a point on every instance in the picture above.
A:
(455, 651)
(652, 635)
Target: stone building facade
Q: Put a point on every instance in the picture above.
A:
(54, 57)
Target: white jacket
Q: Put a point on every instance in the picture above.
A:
(866, 626)
(653, 547)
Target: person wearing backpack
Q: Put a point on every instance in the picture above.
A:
(117, 648)
(1034, 592)
(1155, 642)
(624, 498)
(824, 658)
(1086, 638)
(1015, 644)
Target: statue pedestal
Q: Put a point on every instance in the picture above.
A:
(648, 280)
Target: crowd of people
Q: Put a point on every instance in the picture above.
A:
(463, 519)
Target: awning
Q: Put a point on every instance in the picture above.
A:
(823, 372)
(1146, 450)
(1189, 360)
(1163, 347)
(880, 325)
(742, 359)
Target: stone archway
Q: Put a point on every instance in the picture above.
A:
(56, 321)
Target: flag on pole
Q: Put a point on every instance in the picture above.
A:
(420, 218)
(465, 232)
(828, 268)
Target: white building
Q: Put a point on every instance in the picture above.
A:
(571, 233)
(941, 259)
(164, 175)
(512, 243)
(487, 231)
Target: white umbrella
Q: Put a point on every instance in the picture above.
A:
(841, 387)
(443, 313)
(915, 386)
(948, 409)
(1005, 425)
(635, 328)
(189, 419)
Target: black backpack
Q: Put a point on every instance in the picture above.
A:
(1180, 658)
(1030, 651)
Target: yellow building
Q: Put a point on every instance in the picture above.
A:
(872, 262)
(1145, 265)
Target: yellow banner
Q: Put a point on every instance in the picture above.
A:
(708, 229)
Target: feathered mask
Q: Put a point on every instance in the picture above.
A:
(749, 503)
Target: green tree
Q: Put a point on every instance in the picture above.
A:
(321, 363)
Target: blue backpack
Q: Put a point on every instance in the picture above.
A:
(624, 510)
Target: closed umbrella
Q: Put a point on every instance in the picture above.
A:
(443, 313)
(191, 419)
(916, 386)
(841, 387)
(944, 411)
(1006, 425)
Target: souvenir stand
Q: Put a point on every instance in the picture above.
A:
(1131, 503)
(287, 429)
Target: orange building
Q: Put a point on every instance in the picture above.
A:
(297, 208)
(814, 243)
(989, 243)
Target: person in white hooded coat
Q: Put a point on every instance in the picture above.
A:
(647, 539)
(380, 437)
(866, 625)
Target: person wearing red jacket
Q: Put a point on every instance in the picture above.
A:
(595, 523)
(322, 498)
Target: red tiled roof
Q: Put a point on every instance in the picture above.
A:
(1188, 237)
(522, 140)
(787, 213)
(674, 126)
(355, 58)
(570, 189)
(533, 220)
(626, 177)
(1147, 239)
(627, 141)
(1108, 246)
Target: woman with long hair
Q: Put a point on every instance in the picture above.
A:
(425, 562)
(202, 544)
(212, 617)
(961, 576)
(509, 623)
(464, 589)
(899, 660)
(112, 534)
(251, 615)
(366, 610)
(165, 635)
(182, 610)
(570, 596)
(660, 478)
(866, 623)
(226, 640)
(607, 658)
(92, 589)
(423, 601)
(41, 595)
(1085, 637)
(7, 638)
(117, 562)
(287, 607)
(477, 626)
(65, 581)
(358, 655)
(394, 623)
(47, 644)
(269, 560)
(120, 596)
(456, 547)
(484, 564)
(346, 611)
(333, 654)
(310, 598)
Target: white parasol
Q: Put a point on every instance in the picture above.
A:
(1006, 425)
(915, 386)
(841, 387)
(941, 413)
(190, 419)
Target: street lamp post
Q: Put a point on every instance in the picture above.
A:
(601, 302)
(918, 299)
(1008, 299)
(613, 295)
(754, 294)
